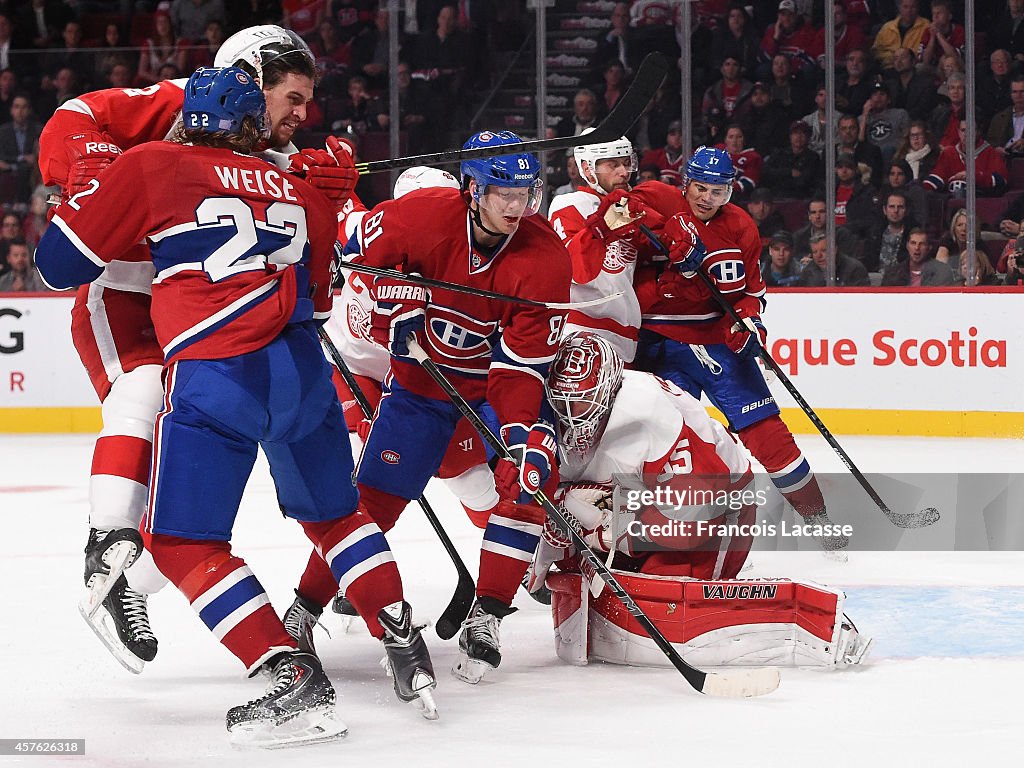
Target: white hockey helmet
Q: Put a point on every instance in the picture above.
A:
(255, 47)
(591, 153)
(581, 386)
(423, 177)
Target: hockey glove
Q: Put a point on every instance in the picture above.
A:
(618, 218)
(88, 154)
(534, 452)
(740, 336)
(400, 310)
(686, 252)
(332, 172)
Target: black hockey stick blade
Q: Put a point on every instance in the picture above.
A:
(450, 620)
(731, 684)
(626, 111)
(920, 519)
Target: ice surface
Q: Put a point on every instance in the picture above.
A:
(938, 690)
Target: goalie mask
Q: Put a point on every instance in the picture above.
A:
(255, 47)
(582, 383)
(588, 155)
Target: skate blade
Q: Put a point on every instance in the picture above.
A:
(312, 727)
(101, 624)
(469, 670)
(424, 702)
(118, 558)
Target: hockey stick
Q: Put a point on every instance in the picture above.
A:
(626, 111)
(459, 288)
(465, 590)
(732, 684)
(920, 519)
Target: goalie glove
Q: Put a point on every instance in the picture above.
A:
(534, 451)
(332, 171)
(400, 309)
(88, 154)
(686, 252)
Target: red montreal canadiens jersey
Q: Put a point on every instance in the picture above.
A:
(684, 309)
(240, 249)
(494, 349)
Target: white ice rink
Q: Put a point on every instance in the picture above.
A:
(941, 687)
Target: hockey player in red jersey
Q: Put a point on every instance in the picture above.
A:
(111, 324)
(243, 260)
(483, 237)
(687, 338)
(634, 430)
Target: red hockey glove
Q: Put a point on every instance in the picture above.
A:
(686, 251)
(400, 310)
(618, 218)
(88, 154)
(332, 172)
(534, 452)
(740, 337)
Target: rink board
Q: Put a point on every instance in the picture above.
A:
(932, 362)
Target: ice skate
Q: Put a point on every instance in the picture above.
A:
(342, 606)
(298, 707)
(853, 646)
(116, 613)
(300, 618)
(408, 660)
(479, 642)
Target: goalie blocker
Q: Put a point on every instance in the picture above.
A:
(755, 623)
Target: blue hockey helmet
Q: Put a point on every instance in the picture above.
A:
(710, 166)
(518, 169)
(221, 99)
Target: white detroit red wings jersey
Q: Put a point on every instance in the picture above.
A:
(349, 328)
(602, 269)
(656, 432)
(490, 349)
(684, 308)
(264, 245)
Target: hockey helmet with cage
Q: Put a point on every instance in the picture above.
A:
(581, 386)
(220, 100)
(591, 153)
(255, 47)
(517, 169)
(423, 177)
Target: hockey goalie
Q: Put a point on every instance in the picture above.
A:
(676, 535)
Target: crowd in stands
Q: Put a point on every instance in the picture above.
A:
(758, 92)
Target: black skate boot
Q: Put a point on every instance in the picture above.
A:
(342, 606)
(408, 660)
(298, 707)
(479, 641)
(114, 611)
(300, 618)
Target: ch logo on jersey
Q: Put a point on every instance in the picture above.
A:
(880, 131)
(617, 256)
(459, 336)
(729, 273)
(390, 457)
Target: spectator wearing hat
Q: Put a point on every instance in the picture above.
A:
(919, 270)
(671, 156)
(780, 269)
(881, 124)
(854, 86)
(887, 242)
(817, 212)
(856, 202)
(849, 271)
(746, 160)
(905, 31)
(796, 171)
(950, 172)
(909, 89)
(761, 207)
(867, 156)
(764, 122)
(730, 92)
(793, 36)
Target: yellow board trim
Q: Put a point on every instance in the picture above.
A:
(840, 421)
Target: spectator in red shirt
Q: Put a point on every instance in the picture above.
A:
(746, 160)
(792, 36)
(950, 172)
(942, 37)
(730, 92)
